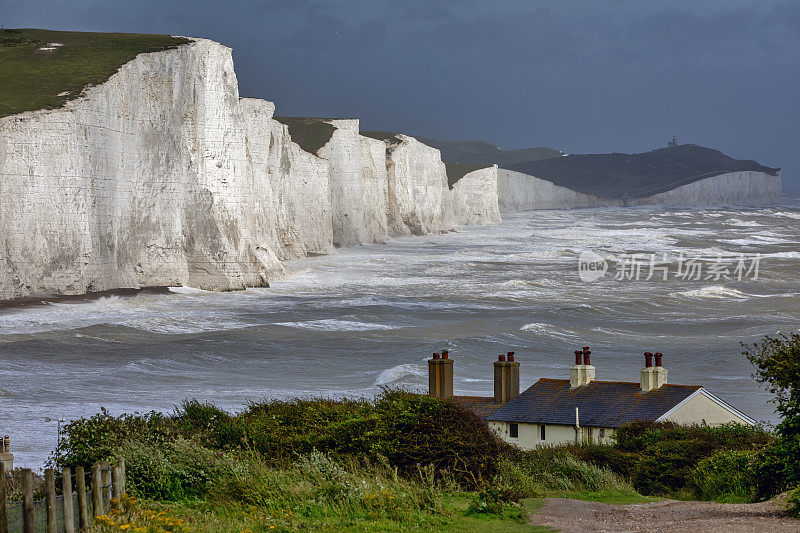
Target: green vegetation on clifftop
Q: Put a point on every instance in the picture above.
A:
(32, 78)
(310, 133)
(456, 171)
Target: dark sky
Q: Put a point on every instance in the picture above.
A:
(582, 76)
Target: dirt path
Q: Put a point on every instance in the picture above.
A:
(670, 515)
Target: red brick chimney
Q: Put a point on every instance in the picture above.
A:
(440, 375)
(506, 378)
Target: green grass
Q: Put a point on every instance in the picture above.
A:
(382, 136)
(310, 133)
(214, 518)
(33, 79)
(616, 496)
(456, 171)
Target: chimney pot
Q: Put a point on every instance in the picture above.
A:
(501, 357)
(586, 354)
(511, 356)
(445, 354)
(578, 357)
(648, 359)
(658, 359)
(436, 355)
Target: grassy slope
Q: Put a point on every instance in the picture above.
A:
(474, 152)
(310, 133)
(456, 171)
(32, 79)
(382, 136)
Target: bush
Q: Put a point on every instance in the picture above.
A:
(777, 364)
(176, 471)
(555, 469)
(768, 477)
(413, 430)
(316, 485)
(607, 456)
(793, 503)
(667, 466)
(88, 440)
(726, 476)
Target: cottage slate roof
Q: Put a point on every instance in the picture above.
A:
(605, 404)
(482, 406)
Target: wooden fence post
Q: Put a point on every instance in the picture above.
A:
(69, 510)
(27, 501)
(3, 514)
(105, 468)
(115, 483)
(50, 500)
(97, 491)
(121, 465)
(83, 511)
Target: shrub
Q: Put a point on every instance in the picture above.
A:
(176, 471)
(726, 476)
(768, 476)
(667, 465)
(555, 469)
(96, 438)
(412, 430)
(316, 485)
(777, 364)
(607, 456)
(793, 503)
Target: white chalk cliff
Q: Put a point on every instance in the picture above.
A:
(732, 188)
(522, 192)
(163, 176)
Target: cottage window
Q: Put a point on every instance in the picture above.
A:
(541, 432)
(602, 433)
(513, 431)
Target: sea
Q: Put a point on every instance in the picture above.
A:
(691, 283)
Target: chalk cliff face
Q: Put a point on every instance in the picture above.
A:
(164, 176)
(733, 188)
(343, 151)
(417, 187)
(290, 186)
(374, 182)
(141, 182)
(475, 198)
(520, 192)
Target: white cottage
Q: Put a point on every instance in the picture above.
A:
(582, 409)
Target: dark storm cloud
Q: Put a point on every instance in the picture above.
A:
(580, 75)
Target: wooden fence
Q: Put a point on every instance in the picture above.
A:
(69, 512)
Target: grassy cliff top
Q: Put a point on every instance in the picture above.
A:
(479, 152)
(456, 171)
(42, 69)
(619, 175)
(310, 133)
(392, 138)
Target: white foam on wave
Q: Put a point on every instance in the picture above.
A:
(783, 255)
(547, 330)
(715, 292)
(188, 290)
(787, 214)
(756, 240)
(334, 324)
(399, 373)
